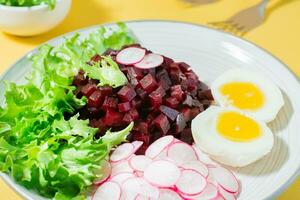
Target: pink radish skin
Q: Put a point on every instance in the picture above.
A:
(168, 194)
(210, 192)
(181, 153)
(197, 166)
(225, 178)
(150, 60)
(219, 198)
(109, 190)
(158, 146)
(122, 152)
(121, 167)
(162, 173)
(227, 195)
(139, 163)
(136, 186)
(130, 55)
(122, 177)
(137, 145)
(106, 171)
(190, 182)
(141, 197)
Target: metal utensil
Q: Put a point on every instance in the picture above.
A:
(245, 20)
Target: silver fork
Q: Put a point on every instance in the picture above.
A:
(200, 1)
(245, 20)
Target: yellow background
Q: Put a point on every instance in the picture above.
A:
(279, 34)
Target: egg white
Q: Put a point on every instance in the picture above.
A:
(228, 152)
(273, 100)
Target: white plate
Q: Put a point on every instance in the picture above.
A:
(210, 53)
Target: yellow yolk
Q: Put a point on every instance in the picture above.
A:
(243, 95)
(237, 127)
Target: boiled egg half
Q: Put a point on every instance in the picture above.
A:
(231, 137)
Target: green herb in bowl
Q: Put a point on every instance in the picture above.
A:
(28, 3)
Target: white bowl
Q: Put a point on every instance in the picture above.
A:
(29, 21)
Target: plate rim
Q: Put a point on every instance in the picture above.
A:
(9, 181)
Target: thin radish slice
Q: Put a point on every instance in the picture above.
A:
(139, 163)
(150, 60)
(162, 173)
(210, 192)
(122, 152)
(167, 194)
(137, 145)
(135, 186)
(181, 153)
(130, 55)
(122, 177)
(219, 197)
(121, 167)
(204, 157)
(227, 195)
(190, 182)
(141, 197)
(158, 146)
(162, 155)
(197, 166)
(105, 171)
(225, 178)
(109, 190)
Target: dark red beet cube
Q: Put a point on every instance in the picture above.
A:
(127, 118)
(124, 107)
(134, 114)
(180, 123)
(188, 101)
(88, 89)
(148, 83)
(184, 67)
(136, 103)
(155, 99)
(134, 72)
(95, 99)
(174, 75)
(167, 62)
(194, 112)
(205, 94)
(177, 92)
(80, 79)
(191, 75)
(160, 90)
(186, 112)
(171, 102)
(162, 123)
(96, 58)
(112, 118)
(169, 112)
(110, 52)
(174, 66)
(106, 90)
(93, 111)
(143, 127)
(126, 93)
(192, 85)
(186, 136)
(110, 102)
(142, 93)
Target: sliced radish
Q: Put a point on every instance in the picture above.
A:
(150, 60)
(227, 195)
(137, 145)
(139, 163)
(158, 146)
(162, 173)
(122, 177)
(204, 157)
(105, 171)
(219, 197)
(109, 190)
(210, 192)
(130, 55)
(135, 186)
(190, 182)
(168, 194)
(181, 153)
(122, 152)
(162, 155)
(197, 166)
(121, 167)
(225, 178)
(141, 197)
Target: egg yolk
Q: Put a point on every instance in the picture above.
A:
(237, 127)
(243, 95)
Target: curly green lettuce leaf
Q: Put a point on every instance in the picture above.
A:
(29, 3)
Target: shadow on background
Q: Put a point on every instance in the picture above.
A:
(82, 14)
(277, 5)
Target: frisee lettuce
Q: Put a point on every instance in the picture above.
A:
(41, 149)
(28, 3)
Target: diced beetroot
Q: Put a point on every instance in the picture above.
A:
(142, 93)
(167, 61)
(169, 112)
(155, 99)
(136, 103)
(192, 85)
(196, 103)
(106, 90)
(205, 104)
(126, 93)
(143, 127)
(186, 136)
(180, 123)
(88, 89)
(127, 118)
(134, 82)
(110, 102)
(174, 75)
(174, 66)
(194, 112)
(184, 67)
(124, 107)
(95, 99)
(80, 79)
(172, 102)
(152, 71)
(177, 92)
(188, 101)
(96, 58)
(134, 114)
(186, 112)
(205, 94)
(191, 75)
(148, 83)
(142, 150)
(160, 90)
(110, 52)
(97, 123)
(93, 111)
(112, 118)
(134, 72)
(162, 123)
